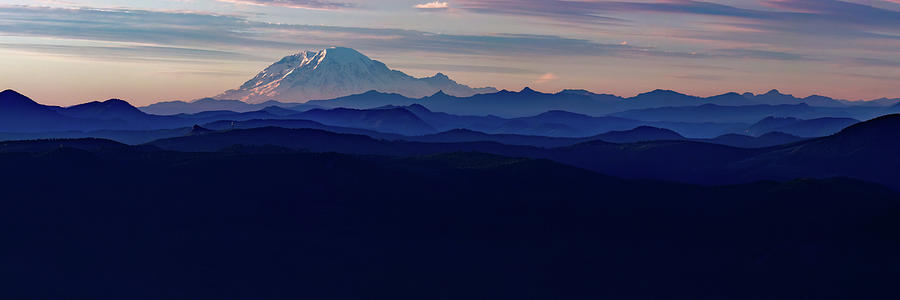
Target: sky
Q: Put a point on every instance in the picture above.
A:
(65, 52)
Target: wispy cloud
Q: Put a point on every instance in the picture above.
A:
(874, 62)
(166, 35)
(699, 77)
(463, 68)
(132, 52)
(305, 4)
(238, 34)
(580, 11)
(759, 54)
(825, 17)
(433, 5)
(547, 77)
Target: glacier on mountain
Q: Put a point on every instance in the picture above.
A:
(337, 72)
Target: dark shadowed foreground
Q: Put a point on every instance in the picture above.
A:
(96, 220)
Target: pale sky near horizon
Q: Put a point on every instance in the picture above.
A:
(65, 52)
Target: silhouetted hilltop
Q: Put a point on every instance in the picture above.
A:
(367, 100)
(197, 130)
(805, 128)
(14, 101)
(659, 97)
(466, 135)
(770, 124)
(565, 124)
(298, 124)
(19, 113)
(640, 134)
(751, 113)
(395, 120)
(879, 134)
(308, 139)
(109, 109)
(766, 140)
(683, 161)
(209, 104)
(278, 111)
(15, 107)
(716, 113)
(865, 151)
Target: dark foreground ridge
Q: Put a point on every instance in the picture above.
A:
(272, 223)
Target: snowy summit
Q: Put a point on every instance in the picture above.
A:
(337, 72)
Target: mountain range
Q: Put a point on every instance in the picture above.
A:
(336, 72)
(654, 105)
(530, 102)
(119, 120)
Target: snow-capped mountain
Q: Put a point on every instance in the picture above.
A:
(337, 72)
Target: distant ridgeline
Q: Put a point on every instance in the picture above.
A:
(573, 114)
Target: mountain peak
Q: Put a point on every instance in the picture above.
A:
(528, 90)
(119, 104)
(13, 99)
(640, 134)
(561, 114)
(415, 107)
(337, 50)
(115, 101)
(582, 92)
(197, 130)
(661, 92)
(96, 109)
(337, 72)
(440, 93)
(278, 110)
(773, 92)
(372, 93)
(341, 55)
(10, 93)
